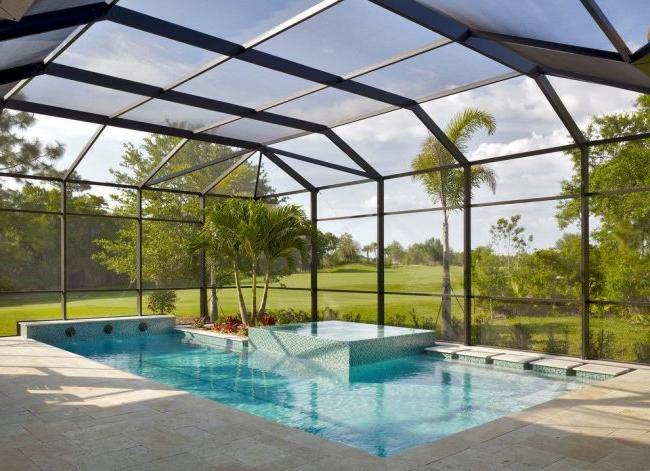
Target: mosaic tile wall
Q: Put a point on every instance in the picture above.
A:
(338, 354)
(100, 328)
(199, 338)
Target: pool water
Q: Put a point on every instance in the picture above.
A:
(383, 408)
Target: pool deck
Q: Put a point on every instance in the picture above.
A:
(60, 411)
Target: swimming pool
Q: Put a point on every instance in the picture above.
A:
(382, 408)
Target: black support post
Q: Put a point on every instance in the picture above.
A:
(584, 261)
(380, 253)
(203, 297)
(138, 248)
(64, 292)
(313, 268)
(467, 251)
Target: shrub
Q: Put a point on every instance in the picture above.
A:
(556, 345)
(290, 316)
(601, 345)
(230, 325)
(268, 319)
(198, 323)
(162, 302)
(642, 351)
(521, 335)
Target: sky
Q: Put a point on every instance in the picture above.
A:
(341, 40)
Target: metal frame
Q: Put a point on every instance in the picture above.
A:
(492, 45)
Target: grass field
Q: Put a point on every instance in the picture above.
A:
(517, 330)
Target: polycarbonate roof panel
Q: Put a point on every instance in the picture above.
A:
(238, 21)
(630, 19)
(524, 118)
(241, 181)
(245, 84)
(616, 71)
(277, 180)
(114, 146)
(112, 49)
(48, 130)
(441, 69)
(318, 147)
(253, 130)
(64, 93)
(167, 113)
(560, 21)
(318, 175)
(198, 180)
(388, 142)
(329, 106)
(586, 100)
(29, 49)
(348, 36)
(45, 6)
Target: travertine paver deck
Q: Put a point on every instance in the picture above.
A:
(62, 411)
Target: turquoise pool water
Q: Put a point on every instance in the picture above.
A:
(382, 408)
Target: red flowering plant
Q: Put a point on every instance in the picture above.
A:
(267, 319)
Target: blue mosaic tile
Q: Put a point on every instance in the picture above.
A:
(206, 339)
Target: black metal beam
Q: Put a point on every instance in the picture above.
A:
(313, 266)
(20, 72)
(138, 251)
(322, 163)
(350, 152)
(584, 258)
(557, 104)
(603, 23)
(467, 253)
(381, 320)
(53, 20)
(288, 170)
(63, 273)
(439, 134)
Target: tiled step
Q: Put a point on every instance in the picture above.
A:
(554, 367)
(448, 352)
(519, 362)
(476, 356)
(599, 372)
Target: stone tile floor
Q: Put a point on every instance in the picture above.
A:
(59, 411)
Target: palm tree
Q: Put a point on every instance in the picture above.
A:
(367, 249)
(445, 187)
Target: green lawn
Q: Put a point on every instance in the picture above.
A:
(400, 309)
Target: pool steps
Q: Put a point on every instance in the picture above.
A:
(535, 362)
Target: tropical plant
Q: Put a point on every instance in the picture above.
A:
(446, 187)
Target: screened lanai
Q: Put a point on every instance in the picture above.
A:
(530, 228)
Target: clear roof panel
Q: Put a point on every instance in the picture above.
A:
(191, 154)
(167, 113)
(238, 21)
(523, 117)
(389, 142)
(348, 36)
(275, 180)
(560, 21)
(106, 161)
(318, 147)
(585, 100)
(253, 130)
(113, 49)
(49, 90)
(318, 175)
(45, 6)
(240, 182)
(616, 71)
(329, 106)
(435, 71)
(630, 18)
(245, 84)
(65, 134)
(29, 49)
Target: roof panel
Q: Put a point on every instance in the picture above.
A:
(45, 6)
(175, 115)
(524, 118)
(560, 21)
(435, 71)
(245, 84)
(113, 49)
(318, 175)
(348, 36)
(253, 131)
(630, 18)
(329, 106)
(65, 93)
(29, 49)
(241, 181)
(318, 147)
(237, 21)
(276, 179)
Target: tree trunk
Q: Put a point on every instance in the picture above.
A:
(446, 279)
(254, 300)
(214, 306)
(242, 304)
(265, 294)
